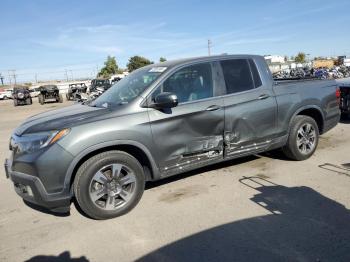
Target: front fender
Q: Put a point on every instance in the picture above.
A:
(99, 146)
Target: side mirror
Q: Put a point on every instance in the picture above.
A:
(165, 100)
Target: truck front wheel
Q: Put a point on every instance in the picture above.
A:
(303, 138)
(109, 184)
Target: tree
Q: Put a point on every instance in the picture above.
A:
(110, 67)
(136, 62)
(300, 57)
(162, 59)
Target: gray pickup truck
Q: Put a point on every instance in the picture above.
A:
(161, 120)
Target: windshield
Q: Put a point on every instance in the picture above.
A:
(128, 88)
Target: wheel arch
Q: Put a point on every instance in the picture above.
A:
(136, 149)
(314, 112)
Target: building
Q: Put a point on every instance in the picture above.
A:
(328, 63)
(271, 59)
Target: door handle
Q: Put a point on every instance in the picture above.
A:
(213, 108)
(263, 96)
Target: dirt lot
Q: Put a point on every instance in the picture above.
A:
(298, 212)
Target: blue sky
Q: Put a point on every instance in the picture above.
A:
(48, 37)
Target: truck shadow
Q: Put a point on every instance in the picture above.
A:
(303, 225)
(63, 257)
(344, 169)
(44, 210)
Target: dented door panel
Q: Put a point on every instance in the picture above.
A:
(188, 135)
(250, 122)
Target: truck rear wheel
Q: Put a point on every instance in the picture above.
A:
(60, 98)
(303, 138)
(109, 184)
(15, 102)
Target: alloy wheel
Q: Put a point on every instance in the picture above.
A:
(306, 138)
(112, 186)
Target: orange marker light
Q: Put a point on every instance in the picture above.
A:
(59, 135)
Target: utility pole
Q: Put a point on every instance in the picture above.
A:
(2, 79)
(9, 77)
(36, 78)
(14, 76)
(209, 47)
(71, 72)
(66, 75)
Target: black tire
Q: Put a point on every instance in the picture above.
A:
(291, 149)
(60, 98)
(67, 97)
(15, 102)
(345, 116)
(41, 99)
(86, 173)
(5, 97)
(28, 101)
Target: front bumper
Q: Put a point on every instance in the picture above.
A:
(31, 189)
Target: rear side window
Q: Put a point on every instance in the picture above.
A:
(256, 76)
(238, 77)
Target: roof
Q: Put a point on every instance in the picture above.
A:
(177, 62)
(48, 86)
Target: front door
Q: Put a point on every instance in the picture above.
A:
(190, 134)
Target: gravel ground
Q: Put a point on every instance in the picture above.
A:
(259, 208)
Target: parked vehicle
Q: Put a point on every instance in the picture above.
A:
(162, 120)
(5, 94)
(102, 83)
(21, 96)
(115, 80)
(49, 93)
(344, 97)
(34, 92)
(76, 91)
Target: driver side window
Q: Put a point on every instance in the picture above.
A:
(190, 83)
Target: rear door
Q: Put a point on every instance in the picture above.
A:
(190, 134)
(250, 108)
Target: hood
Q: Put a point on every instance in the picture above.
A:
(60, 118)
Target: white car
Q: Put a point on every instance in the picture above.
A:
(6, 94)
(34, 92)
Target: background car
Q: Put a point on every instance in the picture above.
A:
(21, 96)
(5, 94)
(34, 92)
(49, 93)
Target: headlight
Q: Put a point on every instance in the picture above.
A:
(32, 142)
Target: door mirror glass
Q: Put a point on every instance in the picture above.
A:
(165, 100)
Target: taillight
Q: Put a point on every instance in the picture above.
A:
(337, 95)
